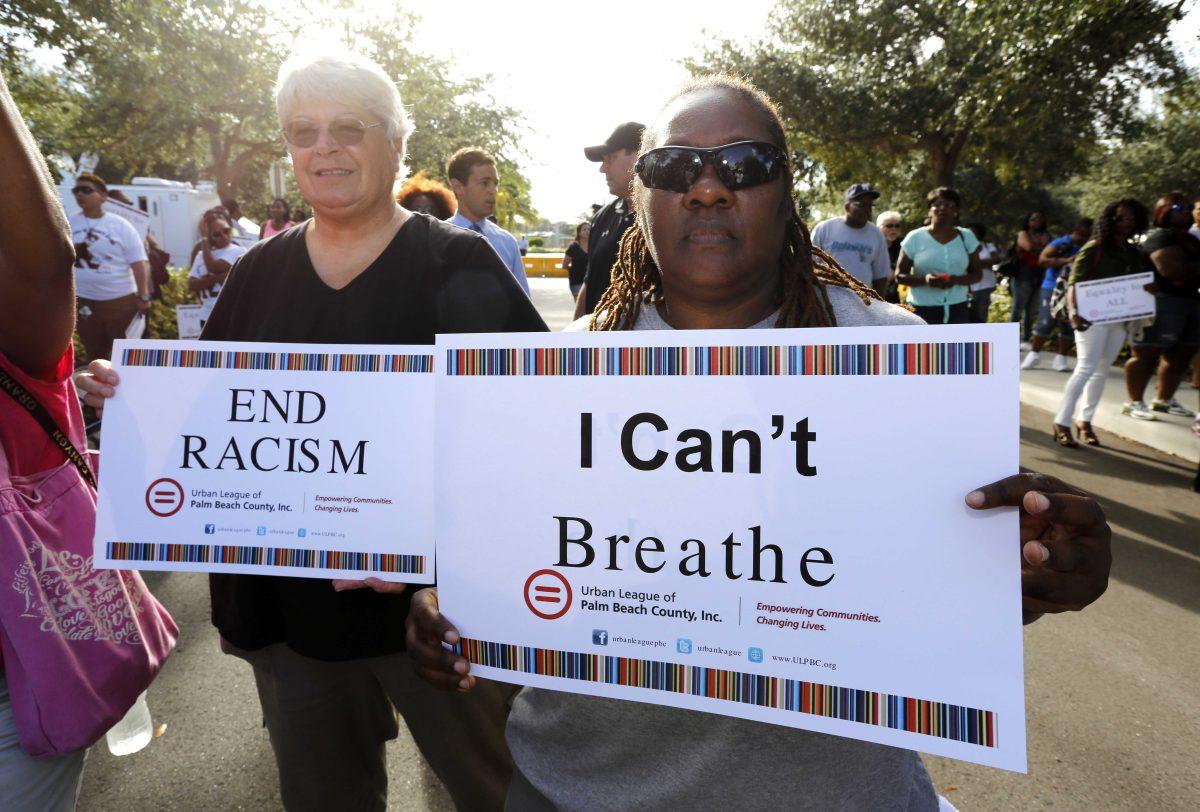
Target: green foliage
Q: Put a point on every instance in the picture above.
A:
(183, 88)
(1003, 95)
(1165, 157)
(162, 312)
(536, 242)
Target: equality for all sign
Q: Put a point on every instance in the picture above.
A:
(1116, 299)
(305, 460)
(767, 525)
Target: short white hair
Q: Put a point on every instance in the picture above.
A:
(889, 215)
(344, 76)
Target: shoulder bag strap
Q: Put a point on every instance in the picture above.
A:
(38, 412)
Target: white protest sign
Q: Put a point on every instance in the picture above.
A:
(1119, 298)
(139, 219)
(190, 319)
(273, 459)
(764, 524)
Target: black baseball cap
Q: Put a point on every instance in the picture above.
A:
(625, 136)
(861, 190)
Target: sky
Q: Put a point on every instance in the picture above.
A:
(567, 66)
(561, 64)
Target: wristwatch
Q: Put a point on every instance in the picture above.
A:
(143, 297)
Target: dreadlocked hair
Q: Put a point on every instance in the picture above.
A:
(805, 271)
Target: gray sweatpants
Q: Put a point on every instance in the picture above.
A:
(29, 784)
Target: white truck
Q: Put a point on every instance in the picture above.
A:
(174, 209)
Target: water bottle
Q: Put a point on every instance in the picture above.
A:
(133, 732)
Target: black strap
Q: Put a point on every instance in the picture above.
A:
(38, 412)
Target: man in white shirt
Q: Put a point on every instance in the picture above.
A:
(855, 242)
(213, 262)
(473, 179)
(243, 226)
(112, 276)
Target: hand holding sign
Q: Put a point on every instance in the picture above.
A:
(1065, 541)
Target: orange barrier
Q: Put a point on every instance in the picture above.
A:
(544, 265)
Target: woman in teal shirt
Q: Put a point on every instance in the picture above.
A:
(940, 262)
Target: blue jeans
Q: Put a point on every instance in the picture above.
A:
(1025, 302)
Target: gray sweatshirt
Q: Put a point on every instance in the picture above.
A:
(593, 753)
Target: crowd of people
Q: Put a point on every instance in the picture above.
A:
(706, 235)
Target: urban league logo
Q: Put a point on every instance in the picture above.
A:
(164, 497)
(547, 594)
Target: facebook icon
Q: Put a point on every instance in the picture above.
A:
(209, 529)
(599, 637)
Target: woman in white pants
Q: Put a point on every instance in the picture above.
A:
(1108, 254)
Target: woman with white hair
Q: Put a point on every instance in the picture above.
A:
(328, 658)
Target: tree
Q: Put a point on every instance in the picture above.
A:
(1165, 156)
(908, 92)
(185, 85)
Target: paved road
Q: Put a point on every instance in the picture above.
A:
(1112, 693)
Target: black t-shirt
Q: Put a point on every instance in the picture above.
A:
(579, 264)
(432, 278)
(1161, 238)
(608, 226)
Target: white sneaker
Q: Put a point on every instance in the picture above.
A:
(1171, 406)
(1060, 364)
(1031, 360)
(1138, 410)
(1026, 346)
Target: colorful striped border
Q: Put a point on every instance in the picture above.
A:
(927, 358)
(265, 556)
(284, 361)
(961, 724)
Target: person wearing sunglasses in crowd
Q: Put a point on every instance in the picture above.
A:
(112, 271)
(858, 245)
(718, 243)
(215, 259)
(328, 656)
(1169, 344)
(1109, 253)
(940, 262)
(889, 222)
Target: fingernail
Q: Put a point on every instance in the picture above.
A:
(464, 684)
(1040, 502)
(460, 666)
(1043, 552)
(109, 391)
(975, 499)
(451, 638)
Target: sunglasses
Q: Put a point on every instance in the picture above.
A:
(1182, 207)
(891, 225)
(220, 232)
(83, 190)
(738, 166)
(344, 130)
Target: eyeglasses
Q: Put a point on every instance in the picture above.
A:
(220, 232)
(891, 225)
(83, 190)
(739, 166)
(345, 130)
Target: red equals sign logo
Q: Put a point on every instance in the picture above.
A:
(164, 497)
(548, 594)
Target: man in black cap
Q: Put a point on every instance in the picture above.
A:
(616, 157)
(854, 241)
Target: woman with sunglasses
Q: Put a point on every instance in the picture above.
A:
(213, 262)
(940, 262)
(1170, 343)
(717, 243)
(328, 657)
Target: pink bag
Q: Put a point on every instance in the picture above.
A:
(79, 644)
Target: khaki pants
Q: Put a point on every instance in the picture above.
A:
(104, 321)
(329, 721)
